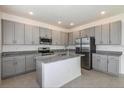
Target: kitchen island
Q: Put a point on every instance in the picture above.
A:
(55, 71)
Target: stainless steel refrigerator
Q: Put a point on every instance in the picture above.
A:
(86, 46)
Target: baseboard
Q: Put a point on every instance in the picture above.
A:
(121, 75)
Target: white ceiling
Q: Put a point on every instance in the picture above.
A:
(79, 14)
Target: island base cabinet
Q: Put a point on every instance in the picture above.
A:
(113, 65)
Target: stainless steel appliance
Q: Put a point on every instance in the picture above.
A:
(45, 41)
(45, 51)
(87, 47)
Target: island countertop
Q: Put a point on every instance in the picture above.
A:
(55, 58)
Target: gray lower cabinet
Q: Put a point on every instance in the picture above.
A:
(115, 33)
(20, 64)
(103, 63)
(113, 65)
(95, 62)
(106, 63)
(12, 66)
(30, 63)
(8, 67)
(100, 62)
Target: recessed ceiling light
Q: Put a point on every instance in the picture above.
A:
(71, 23)
(31, 13)
(59, 22)
(103, 12)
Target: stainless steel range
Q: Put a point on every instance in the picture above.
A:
(86, 46)
(44, 51)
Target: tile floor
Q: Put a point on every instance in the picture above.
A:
(88, 79)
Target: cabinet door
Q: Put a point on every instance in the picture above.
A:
(89, 32)
(19, 33)
(56, 38)
(28, 34)
(35, 37)
(83, 33)
(95, 61)
(70, 36)
(113, 65)
(115, 33)
(103, 63)
(98, 34)
(49, 33)
(8, 67)
(92, 32)
(30, 63)
(20, 64)
(105, 34)
(64, 38)
(76, 35)
(8, 32)
(42, 32)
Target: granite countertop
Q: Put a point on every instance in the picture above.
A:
(55, 58)
(34, 52)
(18, 53)
(113, 53)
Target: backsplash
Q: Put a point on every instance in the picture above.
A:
(10, 48)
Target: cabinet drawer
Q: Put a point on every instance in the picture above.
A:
(113, 58)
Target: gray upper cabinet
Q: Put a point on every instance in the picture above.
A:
(98, 34)
(105, 34)
(70, 37)
(19, 33)
(28, 34)
(115, 33)
(56, 37)
(8, 32)
(20, 64)
(30, 63)
(45, 33)
(91, 32)
(76, 35)
(113, 65)
(35, 37)
(64, 38)
(83, 33)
